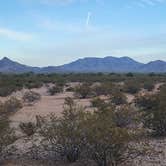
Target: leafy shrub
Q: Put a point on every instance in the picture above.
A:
(65, 133)
(31, 97)
(101, 136)
(103, 89)
(154, 112)
(33, 84)
(12, 105)
(118, 98)
(132, 87)
(106, 142)
(125, 116)
(6, 91)
(28, 128)
(7, 135)
(55, 89)
(70, 89)
(83, 91)
(99, 103)
(148, 86)
(130, 75)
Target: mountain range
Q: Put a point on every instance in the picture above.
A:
(107, 64)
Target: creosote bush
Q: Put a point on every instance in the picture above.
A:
(132, 87)
(55, 89)
(83, 91)
(117, 97)
(103, 89)
(101, 136)
(98, 102)
(12, 105)
(65, 133)
(28, 128)
(154, 112)
(148, 86)
(7, 135)
(31, 96)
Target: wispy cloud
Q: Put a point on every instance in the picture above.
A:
(58, 2)
(62, 2)
(88, 19)
(145, 3)
(14, 35)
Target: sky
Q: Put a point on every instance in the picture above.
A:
(55, 32)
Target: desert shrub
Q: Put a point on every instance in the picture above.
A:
(83, 91)
(12, 105)
(30, 84)
(117, 97)
(97, 102)
(60, 82)
(132, 87)
(55, 89)
(65, 133)
(148, 86)
(101, 136)
(7, 135)
(103, 89)
(126, 116)
(130, 75)
(154, 112)
(106, 142)
(146, 102)
(69, 89)
(5, 91)
(28, 128)
(31, 97)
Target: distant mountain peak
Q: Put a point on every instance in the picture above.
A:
(157, 61)
(90, 64)
(5, 59)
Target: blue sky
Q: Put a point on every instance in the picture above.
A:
(54, 32)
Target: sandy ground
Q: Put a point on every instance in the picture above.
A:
(47, 105)
(54, 104)
(144, 92)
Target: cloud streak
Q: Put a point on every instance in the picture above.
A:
(14, 35)
(57, 2)
(88, 18)
(145, 3)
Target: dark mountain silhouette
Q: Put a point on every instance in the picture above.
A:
(9, 66)
(107, 64)
(154, 66)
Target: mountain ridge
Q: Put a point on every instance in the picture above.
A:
(90, 64)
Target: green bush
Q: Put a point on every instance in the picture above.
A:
(103, 89)
(101, 136)
(97, 102)
(12, 105)
(154, 112)
(148, 86)
(83, 91)
(55, 89)
(31, 97)
(7, 135)
(132, 87)
(118, 98)
(28, 128)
